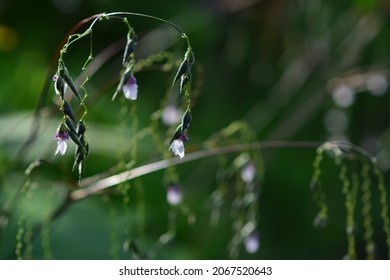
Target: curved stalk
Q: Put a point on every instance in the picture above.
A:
(89, 188)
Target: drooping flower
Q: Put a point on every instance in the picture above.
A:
(174, 195)
(177, 147)
(180, 135)
(62, 137)
(130, 87)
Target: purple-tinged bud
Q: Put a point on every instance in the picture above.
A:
(130, 87)
(62, 137)
(174, 195)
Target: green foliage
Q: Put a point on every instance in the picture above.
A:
(356, 170)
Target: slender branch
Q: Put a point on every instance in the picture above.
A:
(89, 188)
(183, 35)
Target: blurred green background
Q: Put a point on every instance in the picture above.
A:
(290, 70)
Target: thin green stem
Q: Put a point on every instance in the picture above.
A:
(183, 35)
(366, 212)
(384, 208)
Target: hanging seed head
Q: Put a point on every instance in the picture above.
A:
(183, 82)
(80, 130)
(182, 70)
(59, 85)
(67, 110)
(70, 125)
(186, 120)
(68, 79)
(130, 48)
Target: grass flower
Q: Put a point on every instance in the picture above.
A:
(130, 88)
(62, 137)
(177, 147)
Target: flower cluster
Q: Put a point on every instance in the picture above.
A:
(74, 128)
(184, 75)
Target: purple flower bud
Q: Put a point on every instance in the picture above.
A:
(130, 88)
(174, 195)
(62, 137)
(177, 147)
(252, 243)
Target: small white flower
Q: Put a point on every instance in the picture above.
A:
(248, 173)
(130, 89)
(252, 243)
(174, 195)
(62, 137)
(177, 147)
